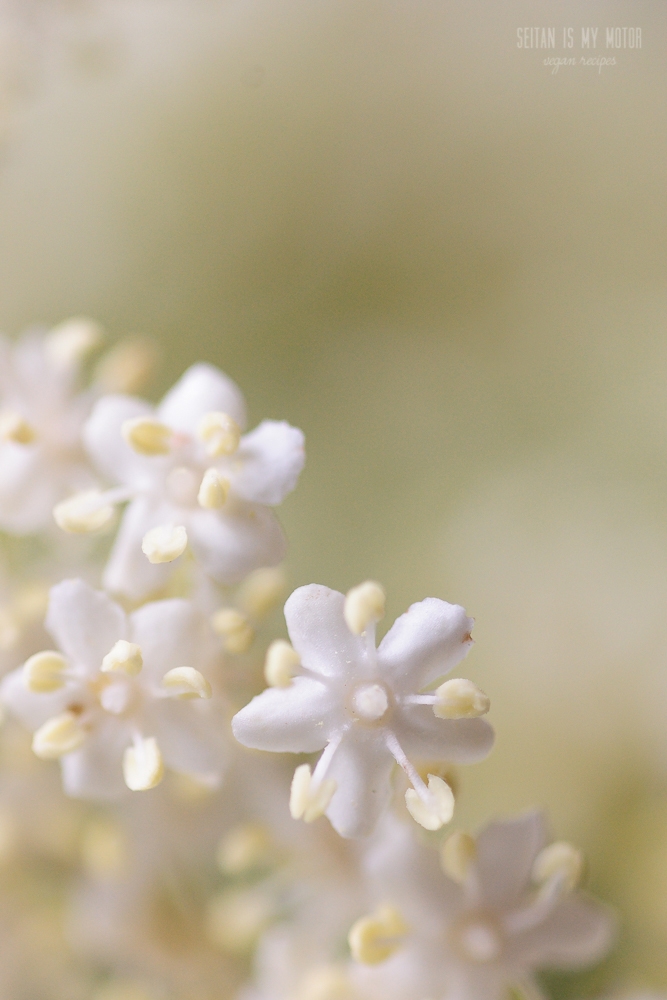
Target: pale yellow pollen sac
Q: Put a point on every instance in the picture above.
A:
(261, 591)
(14, 428)
(71, 341)
(44, 672)
(186, 682)
(147, 436)
(236, 919)
(57, 736)
(325, 982)
(125, 658)
(439, 808)
(143, 767)
(213, 491)
(103, 848)
(282, 664)
(127, 366)
(376, 937)
(234, 628)
(83, 513)
(364, 604)
(460, 699)
(559, 860)
(245, 848)
(220, 434)
(164, 543)
(457, 856)
(308, 803)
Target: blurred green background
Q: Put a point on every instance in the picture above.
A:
(447, 265)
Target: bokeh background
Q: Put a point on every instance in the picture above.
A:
(446, 264)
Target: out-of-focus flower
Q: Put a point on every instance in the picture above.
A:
(506, 907)
(191, 479)
(334, 690)
(120, 702)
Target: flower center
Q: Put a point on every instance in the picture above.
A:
(478, 939)
(115, 697)
(182, 486)
(370, 702)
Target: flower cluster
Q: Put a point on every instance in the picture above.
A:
(142, 657)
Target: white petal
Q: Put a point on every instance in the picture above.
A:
(295, 719)
(579, 932)
(506, 851)
(270, 460)
(96, 770)
(233, 543)
(424, 643)
(361, 767)
(319, 633)
(29, 489)
(192, 737)
(128, 571)
(460, 741)
(30, 708)
(84, 622)
(108, 448)
(201, 390)
(171, 634)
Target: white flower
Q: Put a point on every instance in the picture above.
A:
(41, 418)
(191, 478)
(363, 705)
(508, 909)
(120, 700)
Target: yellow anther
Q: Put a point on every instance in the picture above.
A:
(103, 848)
(236, 919)
(559, 860)
(364, 604)
(43, 672)
(234, 628)
(213, 491)
(127, 366)
(125, 658)
(220, 434)
(457, 854)
(308, 803)
(164, 543)
(325, 982)
(60, 735)
(282, 664)
(438, 810)
(375, 938)
(244, 848)
(460, 699)
(72, 341)
(147, 436)
(14, 428)
(82, 513)
(186, 682)
(261, 591)
(143, 767)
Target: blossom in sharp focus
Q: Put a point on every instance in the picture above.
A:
(506, 907)
(191, 478)
(121, 700)
(334, 691)
(41, 417)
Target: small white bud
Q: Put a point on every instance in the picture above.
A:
(364, 604)
(186, 682)
(234, 628)
(213, 491)
(219, 433)
(457, 855)
(147, 436)
(44, 671)
(57, 736)
(14, 428)
(306, 802)
(143, 767)
(559, 859)
(164, 543)
(376, 937)
(460, 699)
(125, 657)
(82, 513)
(70, 342)
(439, 809)
(282, 664)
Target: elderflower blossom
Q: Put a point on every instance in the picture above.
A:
(191, 478)
(121, 700)
(505, 907)
(335, 691)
